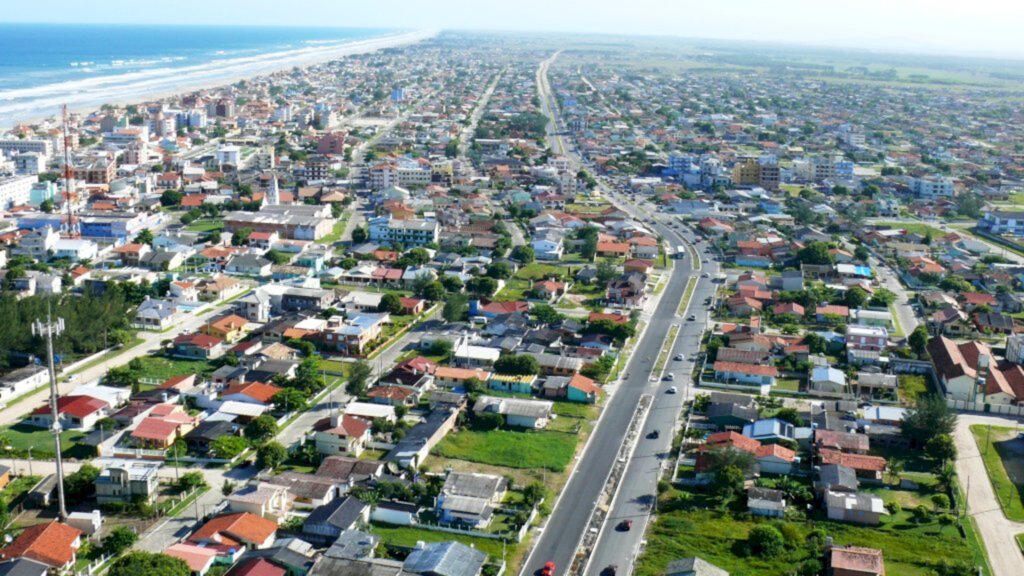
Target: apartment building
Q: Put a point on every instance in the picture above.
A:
(413, 232)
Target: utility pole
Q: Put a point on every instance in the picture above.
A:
(49, 329)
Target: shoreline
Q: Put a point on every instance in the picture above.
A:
(133, 88)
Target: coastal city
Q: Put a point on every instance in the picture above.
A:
(464, 304)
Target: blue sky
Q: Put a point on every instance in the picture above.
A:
(984, 27)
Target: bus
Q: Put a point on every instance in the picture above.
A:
(680, 251)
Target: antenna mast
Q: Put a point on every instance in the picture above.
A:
(48, 330)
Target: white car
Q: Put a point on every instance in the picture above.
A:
(671, 390)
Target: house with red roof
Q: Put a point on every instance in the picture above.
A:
(53, 544)
(232, 534)
(198, 346)
(162, 427)
(250, 393)
(582, 389)
(256, 567)
(491, 309)
(868, 468)
(77, 412)
(342, 435)
(637, 265)
(758, 375)
(788, 308)
(199, 558)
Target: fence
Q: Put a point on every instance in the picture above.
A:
(1000, 409)
(94, 566)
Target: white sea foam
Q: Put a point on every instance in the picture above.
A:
(23, 104)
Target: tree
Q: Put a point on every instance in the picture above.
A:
(150, 564)
(546, 313)
(533, 493)
(271, 455)
(171, 198)
(122, 377)
(390, 303)
(451, 149)
(357, 378)
(435, 291)
(919, 339)
(441, 347)
(360, 235)
(241, 236)
(941, 448)
(523, 254)
(499, 271)
(456, 308)
(227, 447)
(191, 481)
(227, 488)
(47, 206)
(451, 284)
(727, 483)
(482, 286)
(856, 297)
(816, 343)
(261, 429)
(145, 236)
(118, 540)
(289, 400)
(815, 253)
(277, 257)
(488, 421)
(518, 364)
(766, 541)
(791, 415)
(605, 272)
(883, 297)
(861, 253)
(81, 483)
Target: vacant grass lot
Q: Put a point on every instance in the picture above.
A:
(683, 529)
(510, 448)
(1000, 457)
(21, 437)
(915, 228)
(161, 368)
(538, 270)
(912, 386)
(407, 536)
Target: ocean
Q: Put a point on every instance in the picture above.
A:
(45, 65)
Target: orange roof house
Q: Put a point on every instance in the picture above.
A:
(53, 544)
(235, 531)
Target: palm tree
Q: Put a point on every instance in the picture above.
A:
(896, 466)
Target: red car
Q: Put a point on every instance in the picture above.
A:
(548, 569)
(625, 525)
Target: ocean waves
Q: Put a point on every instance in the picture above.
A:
(157, 77)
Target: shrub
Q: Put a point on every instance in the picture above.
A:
(766, 541)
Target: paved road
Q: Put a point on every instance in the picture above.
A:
(292, 434)
(996, 531)
(150, 342)
(564, 528)
(638, 488)
(481, 106)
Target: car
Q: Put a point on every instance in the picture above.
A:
(691, 318)
(670, 377)
(611, 569)
(625, 525)
(678, 358)
(671, 390)
(705, 275)
(548, 569)
(654, 434)
(654, 378)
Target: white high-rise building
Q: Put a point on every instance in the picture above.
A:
(16, 190)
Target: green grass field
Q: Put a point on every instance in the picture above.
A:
(160, 368)
(406, 536)
(510, 448)
(995, 453)
(912, 386)
(205, 226)
(915, 228)
(538, 270)
(21, 437)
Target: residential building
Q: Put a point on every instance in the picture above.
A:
(128, 481)
(1001, 222)
(407, 232)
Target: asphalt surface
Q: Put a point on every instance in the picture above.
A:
(637, 492)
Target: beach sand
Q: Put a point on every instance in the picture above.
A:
(88, 96)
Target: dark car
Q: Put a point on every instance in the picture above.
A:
(625, 525)
(653, 434)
